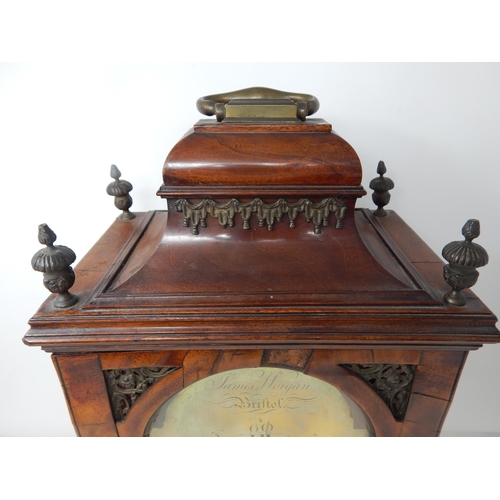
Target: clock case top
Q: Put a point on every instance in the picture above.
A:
(275, 277)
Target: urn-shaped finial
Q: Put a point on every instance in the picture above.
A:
(54, 262)
(120, 189)
(463, 257)
(381, 186)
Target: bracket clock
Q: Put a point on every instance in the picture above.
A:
(261, 302)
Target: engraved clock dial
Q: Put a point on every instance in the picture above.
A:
(260, 402)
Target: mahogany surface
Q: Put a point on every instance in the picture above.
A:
(153, 294)
(153, 298)
(261, 157)
(433, 388)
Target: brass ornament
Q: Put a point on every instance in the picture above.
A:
(126, 385)
(381, 186)
(463, 257)
(54, 262)
(267, 213)
(120, 190)
(391, 382)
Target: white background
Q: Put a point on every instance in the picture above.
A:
(435, 125)
(54, 116)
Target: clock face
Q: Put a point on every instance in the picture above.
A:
(260, 402)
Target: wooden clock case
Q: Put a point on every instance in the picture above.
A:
(261, 260)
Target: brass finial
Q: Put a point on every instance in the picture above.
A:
(54, 262)
(120, 190)
(381, 186)
(463, 257)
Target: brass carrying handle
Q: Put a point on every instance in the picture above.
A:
(216, 104)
